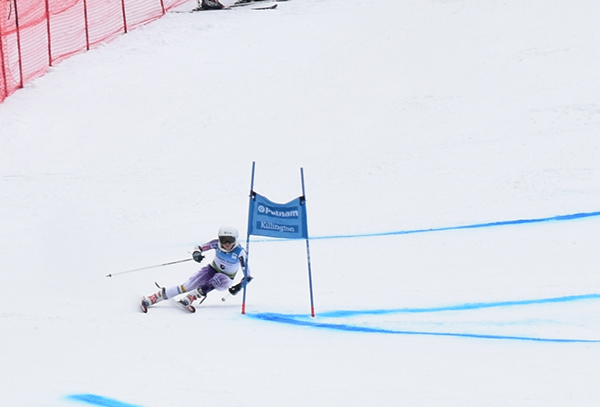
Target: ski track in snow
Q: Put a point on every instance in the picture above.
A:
(302, 320)
(320, 322)
(345, 320)
(96, 400)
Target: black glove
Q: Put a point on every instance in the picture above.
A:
(234, 289)
(198, 256)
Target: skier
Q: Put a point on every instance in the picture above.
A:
(210, 5)
(219, 275)
(217, 4)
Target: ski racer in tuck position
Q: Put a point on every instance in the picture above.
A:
(219, 275)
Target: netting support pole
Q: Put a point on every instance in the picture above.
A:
(124, 16)
(4, 93)
(87, 27)
(19, 45)
(49, 34)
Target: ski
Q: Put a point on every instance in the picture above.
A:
(180, 304)
(143, 306)
(257, 5)
(271, 7)
(189, 308)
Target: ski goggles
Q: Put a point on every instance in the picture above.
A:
(227, 239)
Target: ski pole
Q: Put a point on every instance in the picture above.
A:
(149, 267)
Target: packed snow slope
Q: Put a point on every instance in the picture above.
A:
(410, 118)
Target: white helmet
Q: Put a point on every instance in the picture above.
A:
(228, 234)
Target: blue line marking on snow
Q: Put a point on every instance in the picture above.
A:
(99, 400)
(303, 320)
(460, 307)
(558, 218)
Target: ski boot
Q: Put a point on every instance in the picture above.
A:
(153, 299)
(197, 294)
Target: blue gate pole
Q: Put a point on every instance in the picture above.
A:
(244, 281)
(310, 285)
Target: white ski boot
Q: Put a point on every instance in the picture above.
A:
(197, 294)
(153, 299)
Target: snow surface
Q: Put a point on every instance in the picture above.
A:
(405, 115)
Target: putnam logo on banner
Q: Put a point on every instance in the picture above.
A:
(286, 221)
